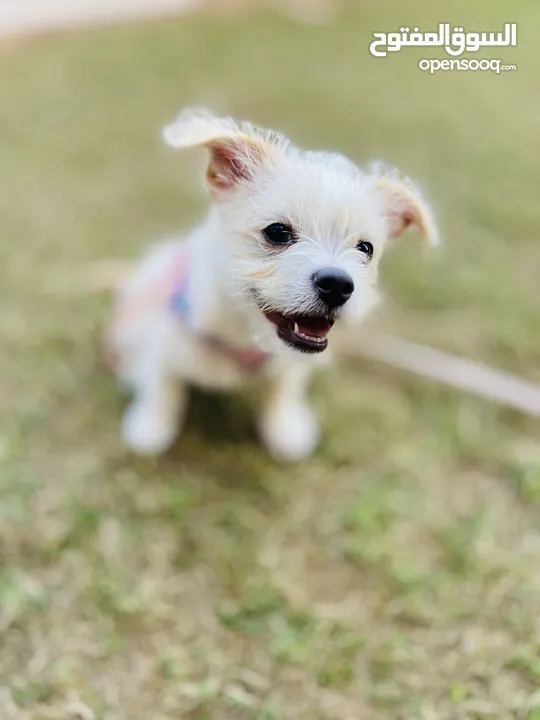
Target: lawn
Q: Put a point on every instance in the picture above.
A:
(397, 574)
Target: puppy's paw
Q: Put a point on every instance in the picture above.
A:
(147, 432)
(290, 432)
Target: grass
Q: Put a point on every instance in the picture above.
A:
(393, 576)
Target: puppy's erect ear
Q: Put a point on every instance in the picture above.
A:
(236, 150)
(404, 207)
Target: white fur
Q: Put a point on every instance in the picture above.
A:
(255, 178)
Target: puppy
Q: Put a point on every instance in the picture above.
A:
(291, 245)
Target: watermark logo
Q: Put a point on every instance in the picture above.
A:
(454, 40)
(493, 65)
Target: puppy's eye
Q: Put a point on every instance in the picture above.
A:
(279, 234)
(365, 247)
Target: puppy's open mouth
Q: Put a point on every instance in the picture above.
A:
(307, 333)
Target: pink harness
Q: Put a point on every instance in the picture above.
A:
(172, 290)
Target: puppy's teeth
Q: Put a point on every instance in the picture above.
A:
(304, 336)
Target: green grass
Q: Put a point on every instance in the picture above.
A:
(393, 576)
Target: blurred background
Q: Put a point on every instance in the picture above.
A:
(395, 575)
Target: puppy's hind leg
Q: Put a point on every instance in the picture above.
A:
(153, 420)
(287, 423)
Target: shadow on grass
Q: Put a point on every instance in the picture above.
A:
(222, 419)
(219, 440)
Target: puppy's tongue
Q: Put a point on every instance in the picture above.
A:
(315, 327)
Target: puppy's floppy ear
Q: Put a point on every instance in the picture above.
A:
(404, 206)
(236, 150)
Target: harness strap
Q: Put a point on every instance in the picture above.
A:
(173, 291)
(249, 359)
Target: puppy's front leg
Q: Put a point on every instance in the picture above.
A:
(288, 426)
(153, 420)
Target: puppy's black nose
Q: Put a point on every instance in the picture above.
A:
(334, 286)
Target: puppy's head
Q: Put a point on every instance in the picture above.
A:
(303, 232)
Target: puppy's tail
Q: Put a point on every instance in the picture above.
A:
(481, 380)
(101, 276)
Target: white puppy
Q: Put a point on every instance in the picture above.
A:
(291, 244)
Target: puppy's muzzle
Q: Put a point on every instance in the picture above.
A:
(333, 286)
